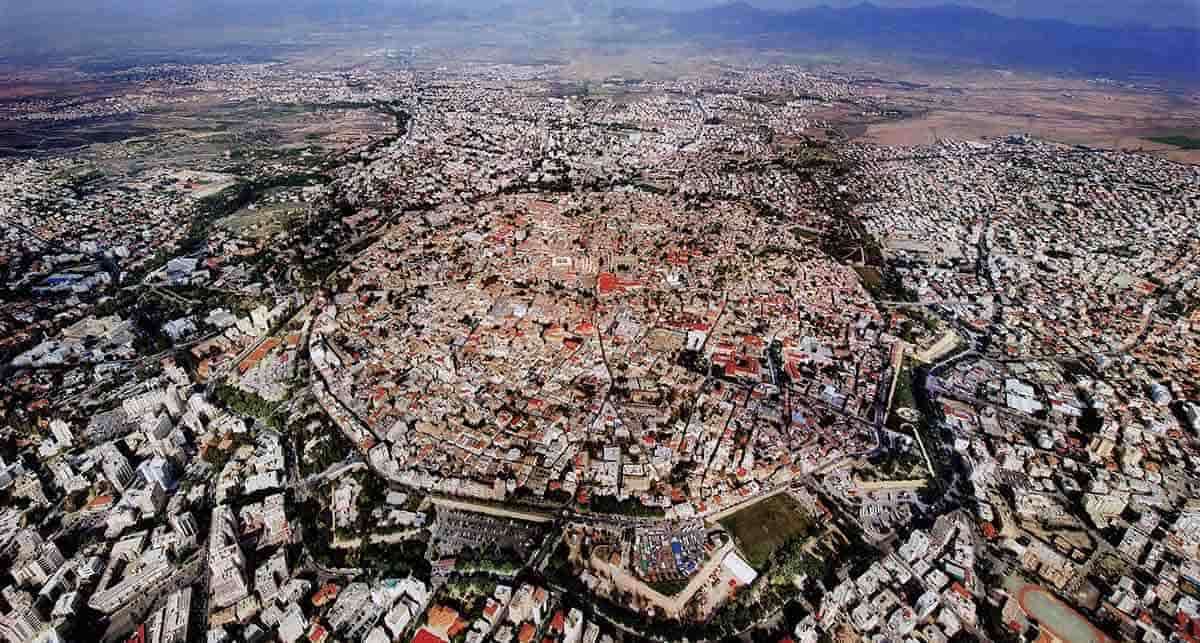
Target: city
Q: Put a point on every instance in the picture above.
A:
(437, 351)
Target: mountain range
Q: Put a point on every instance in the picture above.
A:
(1154, 13)
(947, 31)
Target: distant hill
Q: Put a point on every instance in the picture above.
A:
(1155, 13)
(950, 31)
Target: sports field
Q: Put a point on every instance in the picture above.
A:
(758, 530)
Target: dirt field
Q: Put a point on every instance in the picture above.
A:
(993, 103)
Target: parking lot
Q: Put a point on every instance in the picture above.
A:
(454, 531)
(669, 552)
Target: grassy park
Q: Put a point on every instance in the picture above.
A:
(760, 529)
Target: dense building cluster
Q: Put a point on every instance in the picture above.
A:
(600, 346)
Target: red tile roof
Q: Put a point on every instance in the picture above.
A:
(424, 635)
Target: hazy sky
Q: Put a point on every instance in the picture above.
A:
(1174, 12)
(44, 25)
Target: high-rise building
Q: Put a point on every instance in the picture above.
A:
(158, 470)
(21, 622)
(116, 467)
(226, 561)
(169, 623)
(62, 432)
(146, 403)
(36, 569)
(185, 528)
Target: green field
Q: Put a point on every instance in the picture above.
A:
(761, 528)
(872, 279)
(669, 587)
(264, 221)
(1182, 142)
